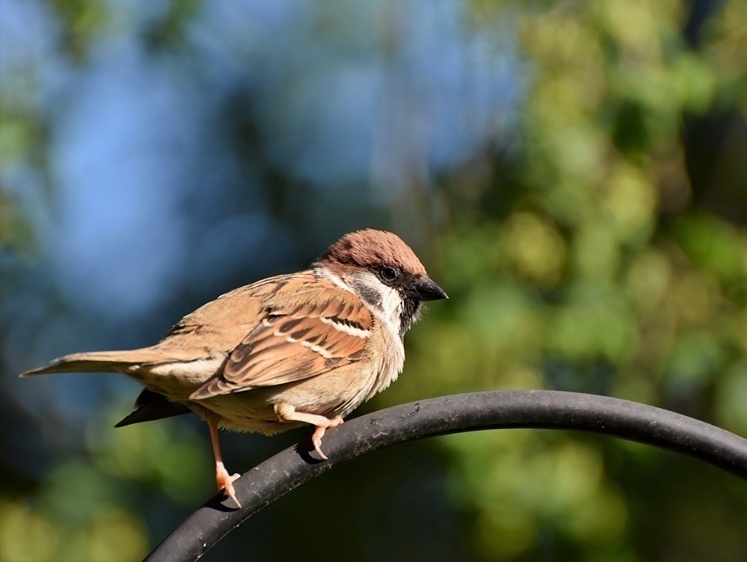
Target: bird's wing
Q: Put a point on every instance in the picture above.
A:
(306, 329)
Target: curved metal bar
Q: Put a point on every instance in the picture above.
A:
(289, 469)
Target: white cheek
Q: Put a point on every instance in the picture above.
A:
(391, 303)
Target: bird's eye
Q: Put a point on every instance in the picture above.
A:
(388, 273)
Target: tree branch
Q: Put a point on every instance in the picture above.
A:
(289, 469)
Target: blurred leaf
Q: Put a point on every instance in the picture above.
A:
(714, 245)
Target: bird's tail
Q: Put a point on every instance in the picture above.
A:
(94, 362)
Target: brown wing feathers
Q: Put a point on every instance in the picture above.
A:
(295, 340)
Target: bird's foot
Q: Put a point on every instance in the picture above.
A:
(287, 413)
(225, 481)
(316, 439)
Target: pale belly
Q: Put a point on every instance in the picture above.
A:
(334, 393)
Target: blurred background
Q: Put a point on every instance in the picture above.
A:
(574, 174)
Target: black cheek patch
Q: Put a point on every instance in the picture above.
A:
(371, 296)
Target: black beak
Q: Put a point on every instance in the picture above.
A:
(427, 290)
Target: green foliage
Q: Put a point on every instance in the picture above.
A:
(586, 284)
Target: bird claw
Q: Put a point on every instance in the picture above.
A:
(230, 491)
(225, 482)
(318, 449)
(316, 439)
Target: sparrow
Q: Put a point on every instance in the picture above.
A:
(301, 348)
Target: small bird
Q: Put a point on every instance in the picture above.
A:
(306, 347)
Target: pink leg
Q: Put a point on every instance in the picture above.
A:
(222, 478)
(288, 413)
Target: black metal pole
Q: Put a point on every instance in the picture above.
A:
(289, 469)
